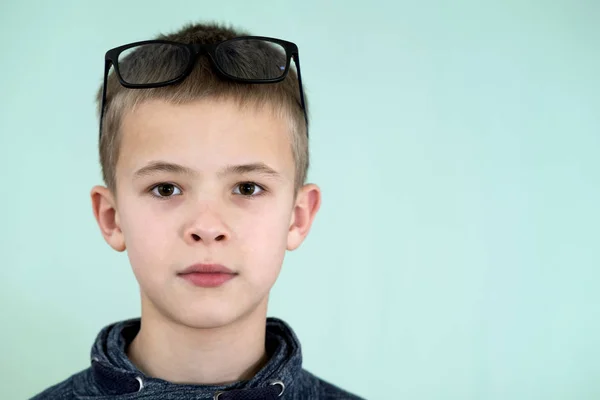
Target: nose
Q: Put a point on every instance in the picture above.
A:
(207, 227)
(208, 236)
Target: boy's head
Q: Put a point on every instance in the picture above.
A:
(207, 171)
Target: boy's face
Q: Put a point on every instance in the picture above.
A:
(243, 218)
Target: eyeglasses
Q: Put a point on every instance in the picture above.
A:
(249, 59)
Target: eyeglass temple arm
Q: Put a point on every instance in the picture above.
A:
(103, 101)
(296, 58)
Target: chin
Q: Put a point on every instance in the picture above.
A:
(208, 316)
(210, 312)
(206, 320)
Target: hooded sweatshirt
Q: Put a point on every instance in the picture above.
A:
(112, 375)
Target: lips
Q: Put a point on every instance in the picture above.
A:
(207, 275)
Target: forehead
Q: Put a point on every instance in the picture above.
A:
(204, 135)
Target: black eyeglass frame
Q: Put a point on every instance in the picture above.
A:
(195, 49)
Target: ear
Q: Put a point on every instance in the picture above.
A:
(308, 202)
(107, 216)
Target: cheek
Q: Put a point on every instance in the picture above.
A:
(146, 240)
(264, 235)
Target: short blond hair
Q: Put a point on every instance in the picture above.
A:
(204, 83)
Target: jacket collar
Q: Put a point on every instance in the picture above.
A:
(114, 374)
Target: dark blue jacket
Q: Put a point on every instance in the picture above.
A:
(113, 376)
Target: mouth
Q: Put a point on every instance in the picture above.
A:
(207, 275)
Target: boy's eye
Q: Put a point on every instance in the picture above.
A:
(248, 189)
(165, 190)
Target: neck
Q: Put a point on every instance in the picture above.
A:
(177, 353)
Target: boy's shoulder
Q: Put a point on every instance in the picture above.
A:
(60, 391)
(317, 388)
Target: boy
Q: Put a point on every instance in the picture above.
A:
(204, 152)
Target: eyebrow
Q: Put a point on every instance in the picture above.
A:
(155, 167)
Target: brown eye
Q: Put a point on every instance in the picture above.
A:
(248, 189)
(164, 190)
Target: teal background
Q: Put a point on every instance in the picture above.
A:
(456, 254)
